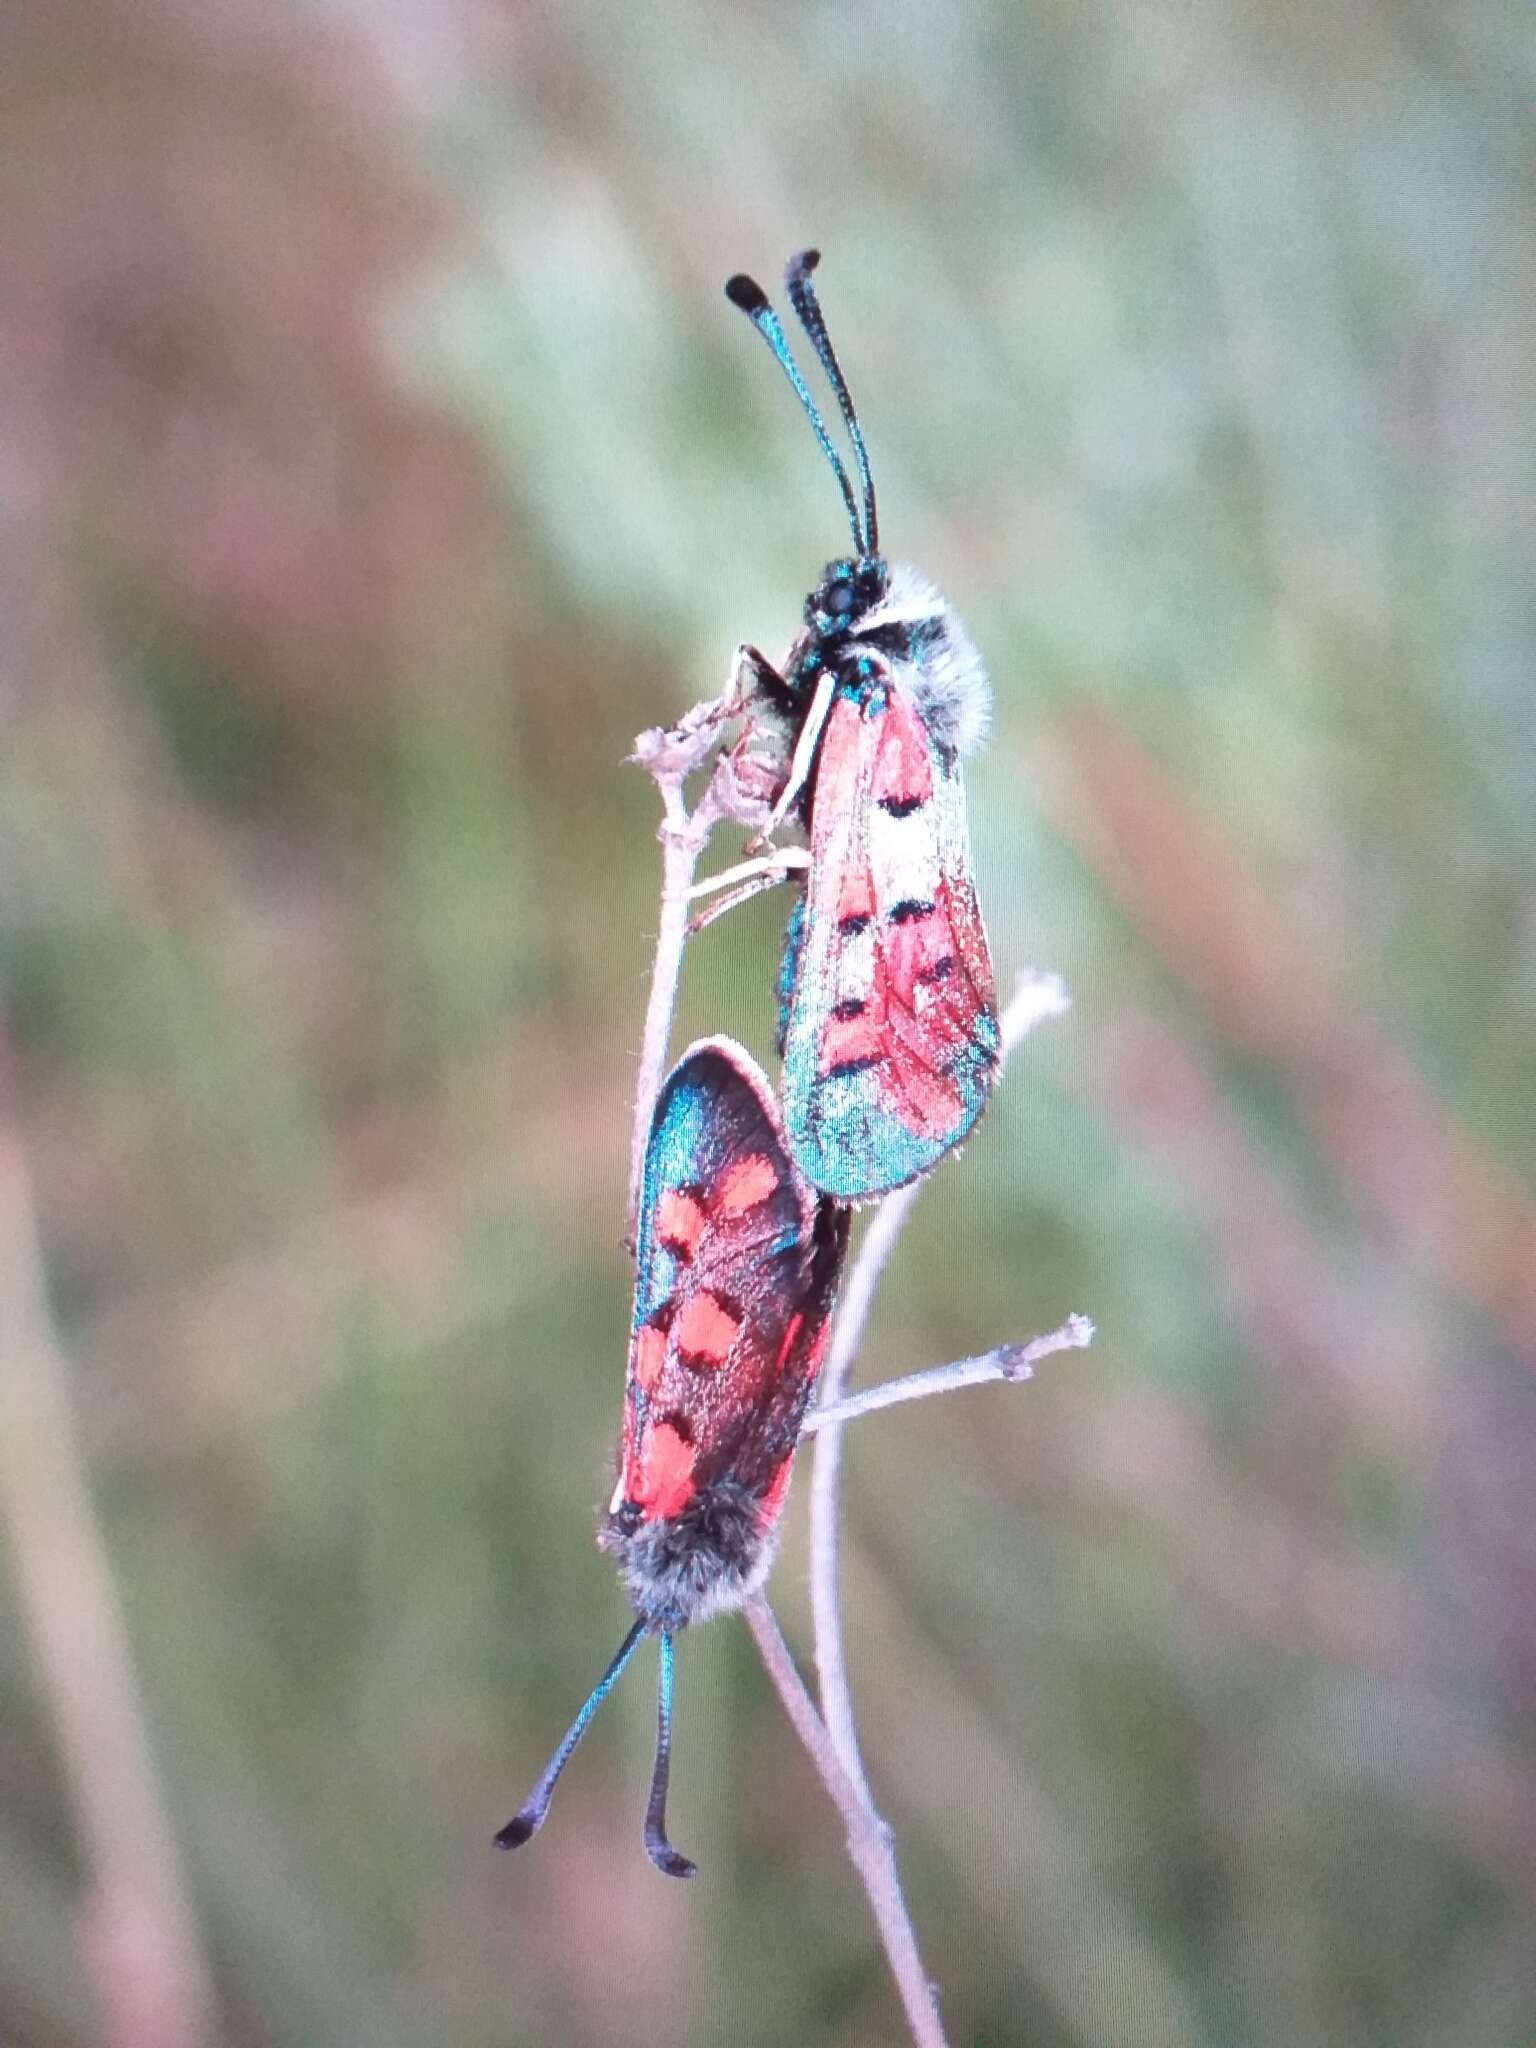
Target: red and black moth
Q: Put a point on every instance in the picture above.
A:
(888, 1024)
(737, 1263)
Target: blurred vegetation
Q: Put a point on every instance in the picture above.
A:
(380, 456)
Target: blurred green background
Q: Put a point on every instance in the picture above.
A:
(379, 456)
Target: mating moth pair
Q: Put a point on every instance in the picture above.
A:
(889, 1034)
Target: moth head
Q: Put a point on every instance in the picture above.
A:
(849, 589)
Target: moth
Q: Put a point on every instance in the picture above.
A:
(888, 1012)
(737, 1262)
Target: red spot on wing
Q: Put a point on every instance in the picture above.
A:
(650, 1356)
(679, 1220)
(856, 897)
(956, 897)
(930, 1103)
(921, 1047)
(773, 1500)
(839, 763)
(953, 1004)
(790, 1335)
(913, 949)
(705, 1330)
(663, 1481)
(745, 1184)
(912, 1025)
(903, 761)
(846, 1039)
(929, 1010)
(626, 1454)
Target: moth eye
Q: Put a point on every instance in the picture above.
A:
(839, 600)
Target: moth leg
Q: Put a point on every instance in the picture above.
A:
(751, 674)
(770, 873)
(804, 754)
(775, 866)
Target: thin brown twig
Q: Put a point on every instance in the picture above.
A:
(826, 1486)
(869, 1839)
(1013, 1362)
(669, 757)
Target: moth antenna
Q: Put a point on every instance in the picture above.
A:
(529, 1817)
(749, 295)
(657, 1847)
(802, 296)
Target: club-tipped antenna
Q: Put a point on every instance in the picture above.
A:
(661, 1852)
(529, 1818)
(748, 294)
(802, 296)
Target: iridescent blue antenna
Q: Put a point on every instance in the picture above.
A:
(657, 1847)
(749, 295)
(529, 1818)
(802, 296)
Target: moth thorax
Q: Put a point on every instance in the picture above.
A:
(706, 1560)
(946, 676)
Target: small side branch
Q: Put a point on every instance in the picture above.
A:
(1007, 1362)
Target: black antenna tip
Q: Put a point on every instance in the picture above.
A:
(669, 1861)
(747, 293)
(517, 1831)
(799, 268)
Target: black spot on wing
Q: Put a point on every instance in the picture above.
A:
(854, 1066)
(901, 806)
(850, 927)
(850, 1006)
(908, 910)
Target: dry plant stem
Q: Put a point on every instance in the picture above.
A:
(826, 1476)
(679, 858)
(1036, 997)
(137, 1933)
(669, 757)
(1008, 1362)
(869, 1839)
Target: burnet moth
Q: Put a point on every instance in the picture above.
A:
(888, 1014)
(736, 1268)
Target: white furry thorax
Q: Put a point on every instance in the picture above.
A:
(948, 683)
(708, 1560)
